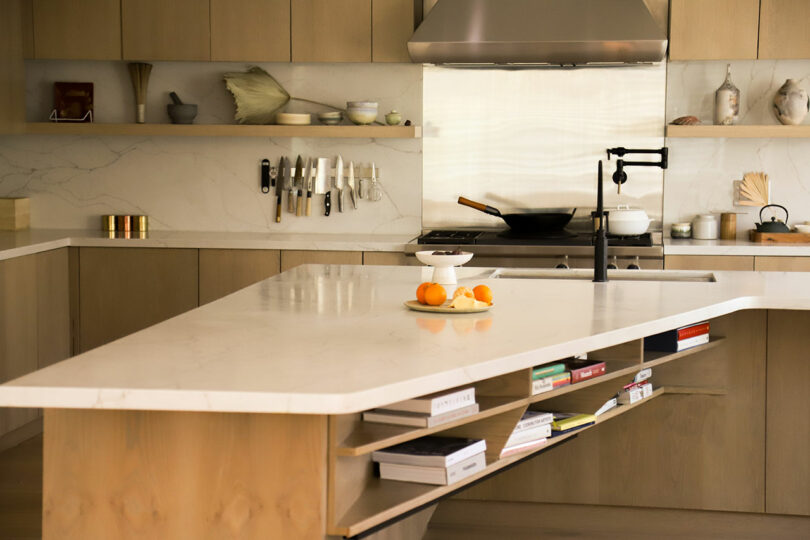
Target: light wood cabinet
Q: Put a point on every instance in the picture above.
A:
(392, 25)
(12, 71)
(293, 258)
(250, 30)
(27, 14)
(383, 258)
(54, 340)
(77, 29)
(713, 29)
(784, 29)
(223, 271)
(331, 31)
(708, 262)
(123, 290)
(160, 30)
(782, 264)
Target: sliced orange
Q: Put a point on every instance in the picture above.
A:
(463, 291)
(483, 293)
(435, 295)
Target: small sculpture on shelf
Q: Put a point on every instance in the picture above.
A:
(791, 103)
(727, 102)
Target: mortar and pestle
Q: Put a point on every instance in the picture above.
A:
(179, 112)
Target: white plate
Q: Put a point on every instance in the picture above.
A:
(444, 308)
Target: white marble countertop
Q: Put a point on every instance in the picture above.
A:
(27, 242)
(337, 339)
(733, 247)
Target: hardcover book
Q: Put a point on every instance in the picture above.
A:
(538, 432)
(434, 475)
(531, 419)
(415, 419)
(583, 369)
(566, 421)
(678, 339)
(73, 101)
(516, 449)
(540, 372)
(440, 402)
(550, 383)
(432, 451)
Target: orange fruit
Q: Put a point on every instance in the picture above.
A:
(483, 293)
(435, 295)
(463, 291)
(420, 292)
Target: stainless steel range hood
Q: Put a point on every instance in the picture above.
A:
(556, 32)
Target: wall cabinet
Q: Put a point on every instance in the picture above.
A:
(392, 25)
(223, 271)
(331, 31)
(12, 74)
(784, 29)
(125, 290)
(713, 29)
(159, 30)
(77, 29)
(250, 30)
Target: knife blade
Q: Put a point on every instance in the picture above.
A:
(321, 184)
(299, 183)
(350, 183)
(289, 187)
(282, 171)
(308, 179)
(339, 181)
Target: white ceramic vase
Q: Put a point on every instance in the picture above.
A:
(727, 102)
(790, 104)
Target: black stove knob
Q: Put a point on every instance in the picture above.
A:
(563, 265)
(612, 266)
(634, 265)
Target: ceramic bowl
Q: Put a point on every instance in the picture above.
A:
(802, 227)
(362, 105)
(331, 118)
(362, 116)
(293, 119)
(184, 113)
(443, 265)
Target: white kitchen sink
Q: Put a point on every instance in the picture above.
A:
(613, 275)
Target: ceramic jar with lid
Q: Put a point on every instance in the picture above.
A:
(705, 227)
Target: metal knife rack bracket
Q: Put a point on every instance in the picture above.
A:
(359, 172)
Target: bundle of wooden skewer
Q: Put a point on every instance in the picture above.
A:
(755, 189)
(139, 73)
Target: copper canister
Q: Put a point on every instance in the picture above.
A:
(108, 223)
(123, 223)
(140, 223)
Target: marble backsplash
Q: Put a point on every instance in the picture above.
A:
(207, 183)
(701, 172)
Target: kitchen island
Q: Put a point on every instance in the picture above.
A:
(239, 418)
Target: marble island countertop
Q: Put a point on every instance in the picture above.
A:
(27, 242)
(337, 339)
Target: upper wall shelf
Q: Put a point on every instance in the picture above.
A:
(225, 130)
(739, 132)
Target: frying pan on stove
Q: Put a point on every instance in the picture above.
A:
(537, 221)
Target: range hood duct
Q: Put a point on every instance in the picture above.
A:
(556, 32)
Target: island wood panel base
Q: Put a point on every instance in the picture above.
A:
(183, 475)
(708, 262)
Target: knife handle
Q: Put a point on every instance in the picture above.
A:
(309, 203)
(327, 203)
(291, 202)
(340, 200)
(278, 208)
(265, 176)
(300, 208)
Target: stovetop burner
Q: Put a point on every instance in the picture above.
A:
(562, 237)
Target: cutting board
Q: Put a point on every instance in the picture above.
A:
(779, 238)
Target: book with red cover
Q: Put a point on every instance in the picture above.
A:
(679, 339)
(583, 369)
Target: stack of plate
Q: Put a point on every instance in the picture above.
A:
(293, 119)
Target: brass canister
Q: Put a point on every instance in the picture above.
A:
(108, 223)
(140, 223)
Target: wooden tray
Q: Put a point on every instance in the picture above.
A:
(779, 238)
(444, 308)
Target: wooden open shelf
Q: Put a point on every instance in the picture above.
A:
(385, 499)
(224, 130)
(739, 132)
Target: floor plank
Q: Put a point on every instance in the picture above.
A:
(21, 491)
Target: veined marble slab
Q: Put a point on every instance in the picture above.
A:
(733, 247)
(19, 243)
(329, 339)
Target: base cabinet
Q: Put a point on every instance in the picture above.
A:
(708, 262)
(223, 271)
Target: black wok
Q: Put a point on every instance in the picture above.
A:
(528, 222)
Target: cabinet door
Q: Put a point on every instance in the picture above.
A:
(53, 307)
(291, 259)
(708, 262)
(160, 30)
(250, 30)
(27, 14)
(713, 29)
(77, 29)
(782, 264)
(331, 31)
(18, 331)
(381, 258)
(123, 290)
(12, 80)
(392, 26)
(223, 271)
(784, 29)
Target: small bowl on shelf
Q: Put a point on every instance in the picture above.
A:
(362, 117)
(293, 119)
(443, 263)
(803, 228)
(331, 118)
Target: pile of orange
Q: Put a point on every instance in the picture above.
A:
(433, 294)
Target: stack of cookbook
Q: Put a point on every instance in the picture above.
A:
(432, 460)
(427, 411)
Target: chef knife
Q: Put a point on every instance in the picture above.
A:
(290, 187)
(321, 184)
(299, 183)
(350, 183)
(339, 182)
(308, 179)
(282, 171)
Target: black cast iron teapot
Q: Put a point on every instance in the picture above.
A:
(774, 225)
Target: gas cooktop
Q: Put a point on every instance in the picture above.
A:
(562, 237)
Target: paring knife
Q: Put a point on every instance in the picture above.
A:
(299, 183)
(350, 183)
(339, 182)
(282, 171)
(321, 184)
(308, 179)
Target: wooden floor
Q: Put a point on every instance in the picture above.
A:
(21, 491)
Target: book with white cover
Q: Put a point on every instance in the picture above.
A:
(523, 447)
(406, 418)
(538, 432)
(431, 451)
(438, 403)
(532, 418)
(434, 475)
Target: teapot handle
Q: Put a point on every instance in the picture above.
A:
(777, 206)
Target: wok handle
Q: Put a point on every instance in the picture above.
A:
(479, 206)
